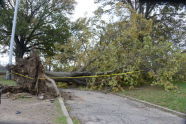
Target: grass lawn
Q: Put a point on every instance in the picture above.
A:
(7, 82)
(175, 100)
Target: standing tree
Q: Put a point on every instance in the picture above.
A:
(168, 16)
(40, 24)
(146, 7)
(1, 2)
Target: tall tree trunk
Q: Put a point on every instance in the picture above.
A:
(19, 51)
(19, 48)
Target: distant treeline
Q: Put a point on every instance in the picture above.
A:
(178, 2)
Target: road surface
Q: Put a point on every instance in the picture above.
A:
(99, 108)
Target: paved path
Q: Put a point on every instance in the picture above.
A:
(99, 108)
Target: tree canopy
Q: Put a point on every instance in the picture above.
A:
(168, 16)
(145, 7)
(40, 24)
(130, 43)
(146, 38)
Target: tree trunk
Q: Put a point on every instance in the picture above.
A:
(19, 52)
(59, 77)
(20, 48)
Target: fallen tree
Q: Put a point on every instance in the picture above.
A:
(60, 76)
(31, 77)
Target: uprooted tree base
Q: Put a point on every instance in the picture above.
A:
(33, 70)
(13, 89)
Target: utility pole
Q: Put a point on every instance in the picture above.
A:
(12, 38)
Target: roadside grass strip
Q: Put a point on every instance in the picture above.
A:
(60, 119)
(175, 100)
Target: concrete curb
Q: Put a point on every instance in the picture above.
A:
(180, 114)
(64, 110)
(61, 102)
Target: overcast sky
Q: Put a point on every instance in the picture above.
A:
(84, 8)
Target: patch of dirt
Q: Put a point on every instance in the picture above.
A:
(26, 109)
(69, 96)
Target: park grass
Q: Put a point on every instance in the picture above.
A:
(175, 100)
(5, 82)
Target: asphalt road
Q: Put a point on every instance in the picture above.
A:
(99, 108)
